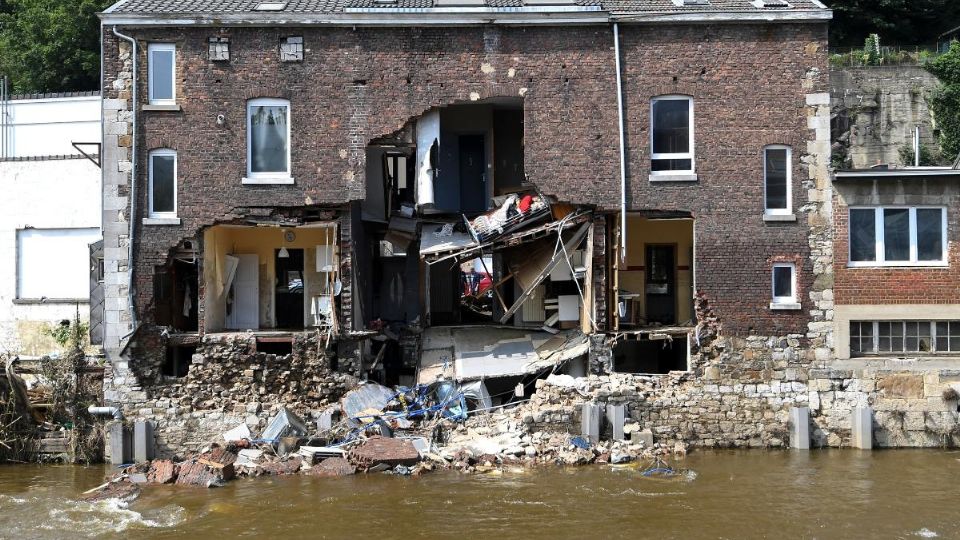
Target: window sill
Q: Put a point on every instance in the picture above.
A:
(161, 221)
(173, 107)
(267, 180)
(40, 301)
(673, 178)
(784, 306)
(779, 218)
(906, 265)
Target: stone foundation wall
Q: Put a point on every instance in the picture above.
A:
(741, 392)
(228, 383)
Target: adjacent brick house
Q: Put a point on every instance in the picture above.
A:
(309, 165)
(897, 287)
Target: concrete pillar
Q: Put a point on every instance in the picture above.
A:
(119, 444)
(800, 428)
(616, 415)
(590, 422)
(861, 428)
(143, 442)
(644, 437)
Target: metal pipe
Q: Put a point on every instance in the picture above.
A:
(916, 147)
(105, 411)
(133, 184)
(3, 117)
(623, 149)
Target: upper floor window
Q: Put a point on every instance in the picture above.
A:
(898, 236)
(776, 179)
(163, 183)
(671, 135)
(161, 73)
(268, 141)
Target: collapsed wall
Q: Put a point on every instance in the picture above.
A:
(228, 383)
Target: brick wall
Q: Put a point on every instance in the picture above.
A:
(749, 85)
(748, 82)
(896, 285)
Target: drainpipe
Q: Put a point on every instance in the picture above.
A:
(623, 150)
(106, 411)
(133, 185)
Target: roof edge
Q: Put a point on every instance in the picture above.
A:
(441, 17)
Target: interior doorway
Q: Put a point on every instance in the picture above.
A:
(473, 168)
(288, 291)
(661, 283)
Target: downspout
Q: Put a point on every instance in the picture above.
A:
(623, 149)
(133, 185)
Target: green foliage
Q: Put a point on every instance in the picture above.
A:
(900, 22)
(945, 101)
(71, 335)
(927, 157)
(871, 50)
(51, 45)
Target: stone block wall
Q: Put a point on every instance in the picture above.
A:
(876, 110)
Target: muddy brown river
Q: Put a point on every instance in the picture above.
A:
(758, 494)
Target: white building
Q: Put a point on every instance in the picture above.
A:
(49, 214)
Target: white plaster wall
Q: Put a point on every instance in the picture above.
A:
(53, 194)
(47, 127)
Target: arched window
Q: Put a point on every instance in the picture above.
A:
(671, 136)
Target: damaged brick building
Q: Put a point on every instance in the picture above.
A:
(301, 194)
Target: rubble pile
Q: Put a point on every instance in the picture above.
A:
(226, 375)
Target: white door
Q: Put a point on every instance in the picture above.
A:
(245, 314)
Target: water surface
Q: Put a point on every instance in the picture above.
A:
(757, 494)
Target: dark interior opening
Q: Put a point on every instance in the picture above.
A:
(289, 288)
(176, 295)
(277, 347)
(178, 359)
(654, 356)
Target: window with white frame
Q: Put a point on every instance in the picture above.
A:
(898, 236)
(776, 180)
(163, 183)
(268, 141)
(161, 73)
(784, 284)
(903, 337)
(671, 135)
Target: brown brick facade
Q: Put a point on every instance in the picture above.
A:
(749, 83)
(896, 285)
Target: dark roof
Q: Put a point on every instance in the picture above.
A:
(53, 95)
(247, 7)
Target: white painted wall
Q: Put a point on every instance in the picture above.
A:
(46, 127)
(47, 194)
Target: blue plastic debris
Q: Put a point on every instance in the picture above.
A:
(580, 442)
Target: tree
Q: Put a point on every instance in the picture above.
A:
(945, 102)
(899, 22)
(51, 45)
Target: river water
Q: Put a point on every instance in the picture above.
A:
(755, 494)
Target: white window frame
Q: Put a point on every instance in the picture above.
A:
(268, 177)
(151, 76)
(789, 209)
(875, 338)
(165, 152)
(665, 175)
(879, 238)
(784, 302)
